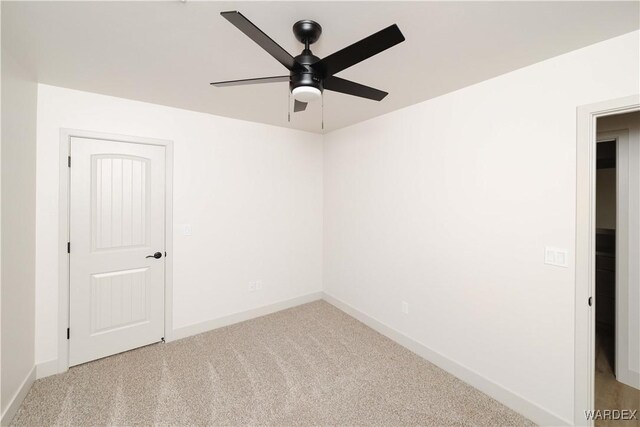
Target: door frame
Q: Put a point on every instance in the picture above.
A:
(584, 350)
(64, 232)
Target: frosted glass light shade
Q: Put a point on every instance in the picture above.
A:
(306, 93)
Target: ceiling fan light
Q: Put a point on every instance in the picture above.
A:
(306, 93)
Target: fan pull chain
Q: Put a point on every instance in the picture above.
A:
(289, 108)
(322, 99)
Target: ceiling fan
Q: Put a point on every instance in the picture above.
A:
(308, 74)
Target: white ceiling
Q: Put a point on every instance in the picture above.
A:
(167, 52)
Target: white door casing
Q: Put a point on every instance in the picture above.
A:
(116, 220)
(627, 340)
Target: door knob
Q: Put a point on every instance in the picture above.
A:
(157, 255)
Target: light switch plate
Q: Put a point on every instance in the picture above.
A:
(186, 230)
(556, 256)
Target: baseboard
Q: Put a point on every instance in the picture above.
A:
(46, 369)
(18, 397)
(220, 322)
(512, 400)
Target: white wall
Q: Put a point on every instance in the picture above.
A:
(448, 205)
(252, 194)
(19, 95)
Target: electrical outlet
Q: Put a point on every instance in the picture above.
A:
(405, 307)
(252, 286)
(186, 230)
(259, 285)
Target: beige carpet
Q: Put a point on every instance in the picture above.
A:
(309, 365)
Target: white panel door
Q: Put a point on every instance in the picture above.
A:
(117, 222)
(628, 260)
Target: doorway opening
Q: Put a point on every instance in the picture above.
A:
(617, 269)
(585, 247)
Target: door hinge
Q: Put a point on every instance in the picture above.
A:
(68, 247)
(590, 302)
(68, 333)
(69, 161)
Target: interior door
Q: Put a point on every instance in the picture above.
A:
(117, 238)
(628, 260)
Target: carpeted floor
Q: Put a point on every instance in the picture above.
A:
(309, 365)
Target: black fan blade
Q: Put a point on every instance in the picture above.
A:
(275, 79)
(299, 106)
(337, 84)
(263, 40)
(359, 51)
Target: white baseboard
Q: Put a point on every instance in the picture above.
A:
(512, 400)
(209, 325)
(18, 397)
(46, 369)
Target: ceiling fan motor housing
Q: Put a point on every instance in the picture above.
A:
(308, 76)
